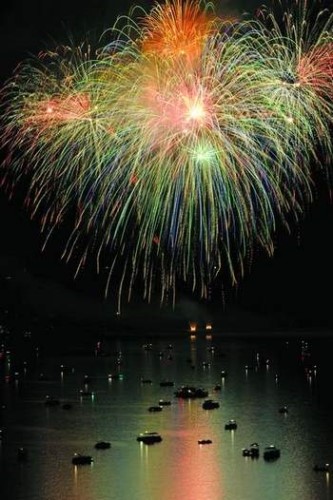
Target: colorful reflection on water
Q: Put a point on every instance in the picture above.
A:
(251, 391)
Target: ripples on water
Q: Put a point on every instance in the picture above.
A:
(279, 373)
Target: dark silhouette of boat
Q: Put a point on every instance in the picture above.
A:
(114, 376)
(252, 451)
(322, 468)
(231, 425)
(164, 403)
(154, 409)
(210, 404)
(149, 437)
(190, 392)
(205, 441)
(271, 453)
(82, 459)
(167, 383)
(146, 381)
(22, 454)
(102, 445)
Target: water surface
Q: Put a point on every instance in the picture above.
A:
(294, 373)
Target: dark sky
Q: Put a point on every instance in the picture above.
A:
(292, 289)
(27, 27)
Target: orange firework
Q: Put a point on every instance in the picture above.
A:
(178, 28)
(315, 69)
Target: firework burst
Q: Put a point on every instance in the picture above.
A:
(296, 47)
(179, 144)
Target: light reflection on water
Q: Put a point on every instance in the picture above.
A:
(178, 468)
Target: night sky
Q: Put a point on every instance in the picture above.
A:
(290, 290)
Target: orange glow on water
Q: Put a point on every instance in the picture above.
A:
(198, 475)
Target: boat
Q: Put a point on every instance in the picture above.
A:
(154, 409)
(205, 441)
(115, 376)
(82, 459)
(231, 425)
(252, 451)
(271, 452)
(22, 454)
(146, 381)
(102, 445)
(49, 401)
(190, 392)
(283, 409)
(166, 383)
(210, 404)
(322, 468)
(149, 437)
(162, 402)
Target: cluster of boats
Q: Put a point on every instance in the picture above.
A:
(271, 452)
(190, 392)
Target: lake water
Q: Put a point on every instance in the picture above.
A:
(295, 373)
